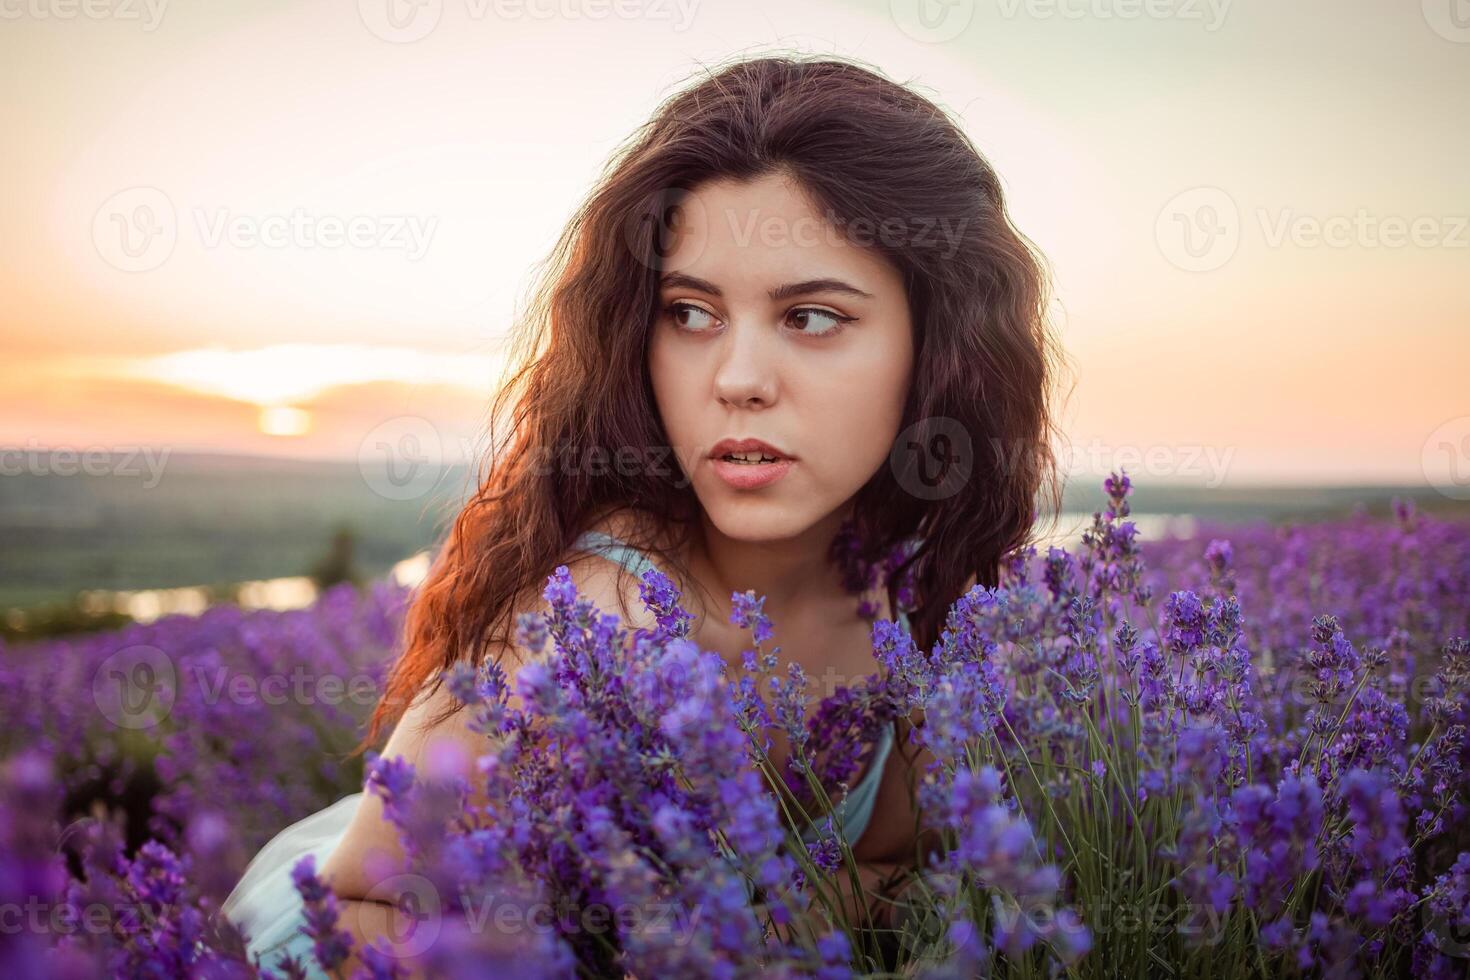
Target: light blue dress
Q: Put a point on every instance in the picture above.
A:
(266, 905)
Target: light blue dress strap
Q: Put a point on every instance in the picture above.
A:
(855, 810)
(602, 543)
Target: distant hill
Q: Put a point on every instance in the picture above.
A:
(218, 519)
(208, 520)
(1248, 503)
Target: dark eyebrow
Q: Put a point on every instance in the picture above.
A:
(678, 279)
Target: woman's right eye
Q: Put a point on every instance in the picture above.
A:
(682, 314)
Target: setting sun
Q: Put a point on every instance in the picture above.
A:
(283, 420)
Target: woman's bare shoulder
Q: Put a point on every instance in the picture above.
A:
(609, 584)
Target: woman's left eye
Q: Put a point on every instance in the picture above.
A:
(838, 320)
(686, 318)
(681, 312)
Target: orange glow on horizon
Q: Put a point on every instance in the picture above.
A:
(216, 254)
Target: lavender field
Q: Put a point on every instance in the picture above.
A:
(1240, 754)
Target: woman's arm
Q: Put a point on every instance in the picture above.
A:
(360, 871)
(369, 852)
(368, 923)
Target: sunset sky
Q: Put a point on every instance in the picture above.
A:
(1255, 211)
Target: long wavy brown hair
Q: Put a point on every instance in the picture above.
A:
(867, 150)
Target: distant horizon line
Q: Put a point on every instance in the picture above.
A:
(246, 456)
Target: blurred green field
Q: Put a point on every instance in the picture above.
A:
(223, 519)
(208, 520)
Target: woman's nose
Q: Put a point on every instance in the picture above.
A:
(746, 375)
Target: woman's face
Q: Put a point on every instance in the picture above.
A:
(773, 328)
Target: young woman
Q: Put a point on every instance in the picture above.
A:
(793, 313)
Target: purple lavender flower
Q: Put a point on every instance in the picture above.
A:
(661, 597)
(746, 612)
(331, 945)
